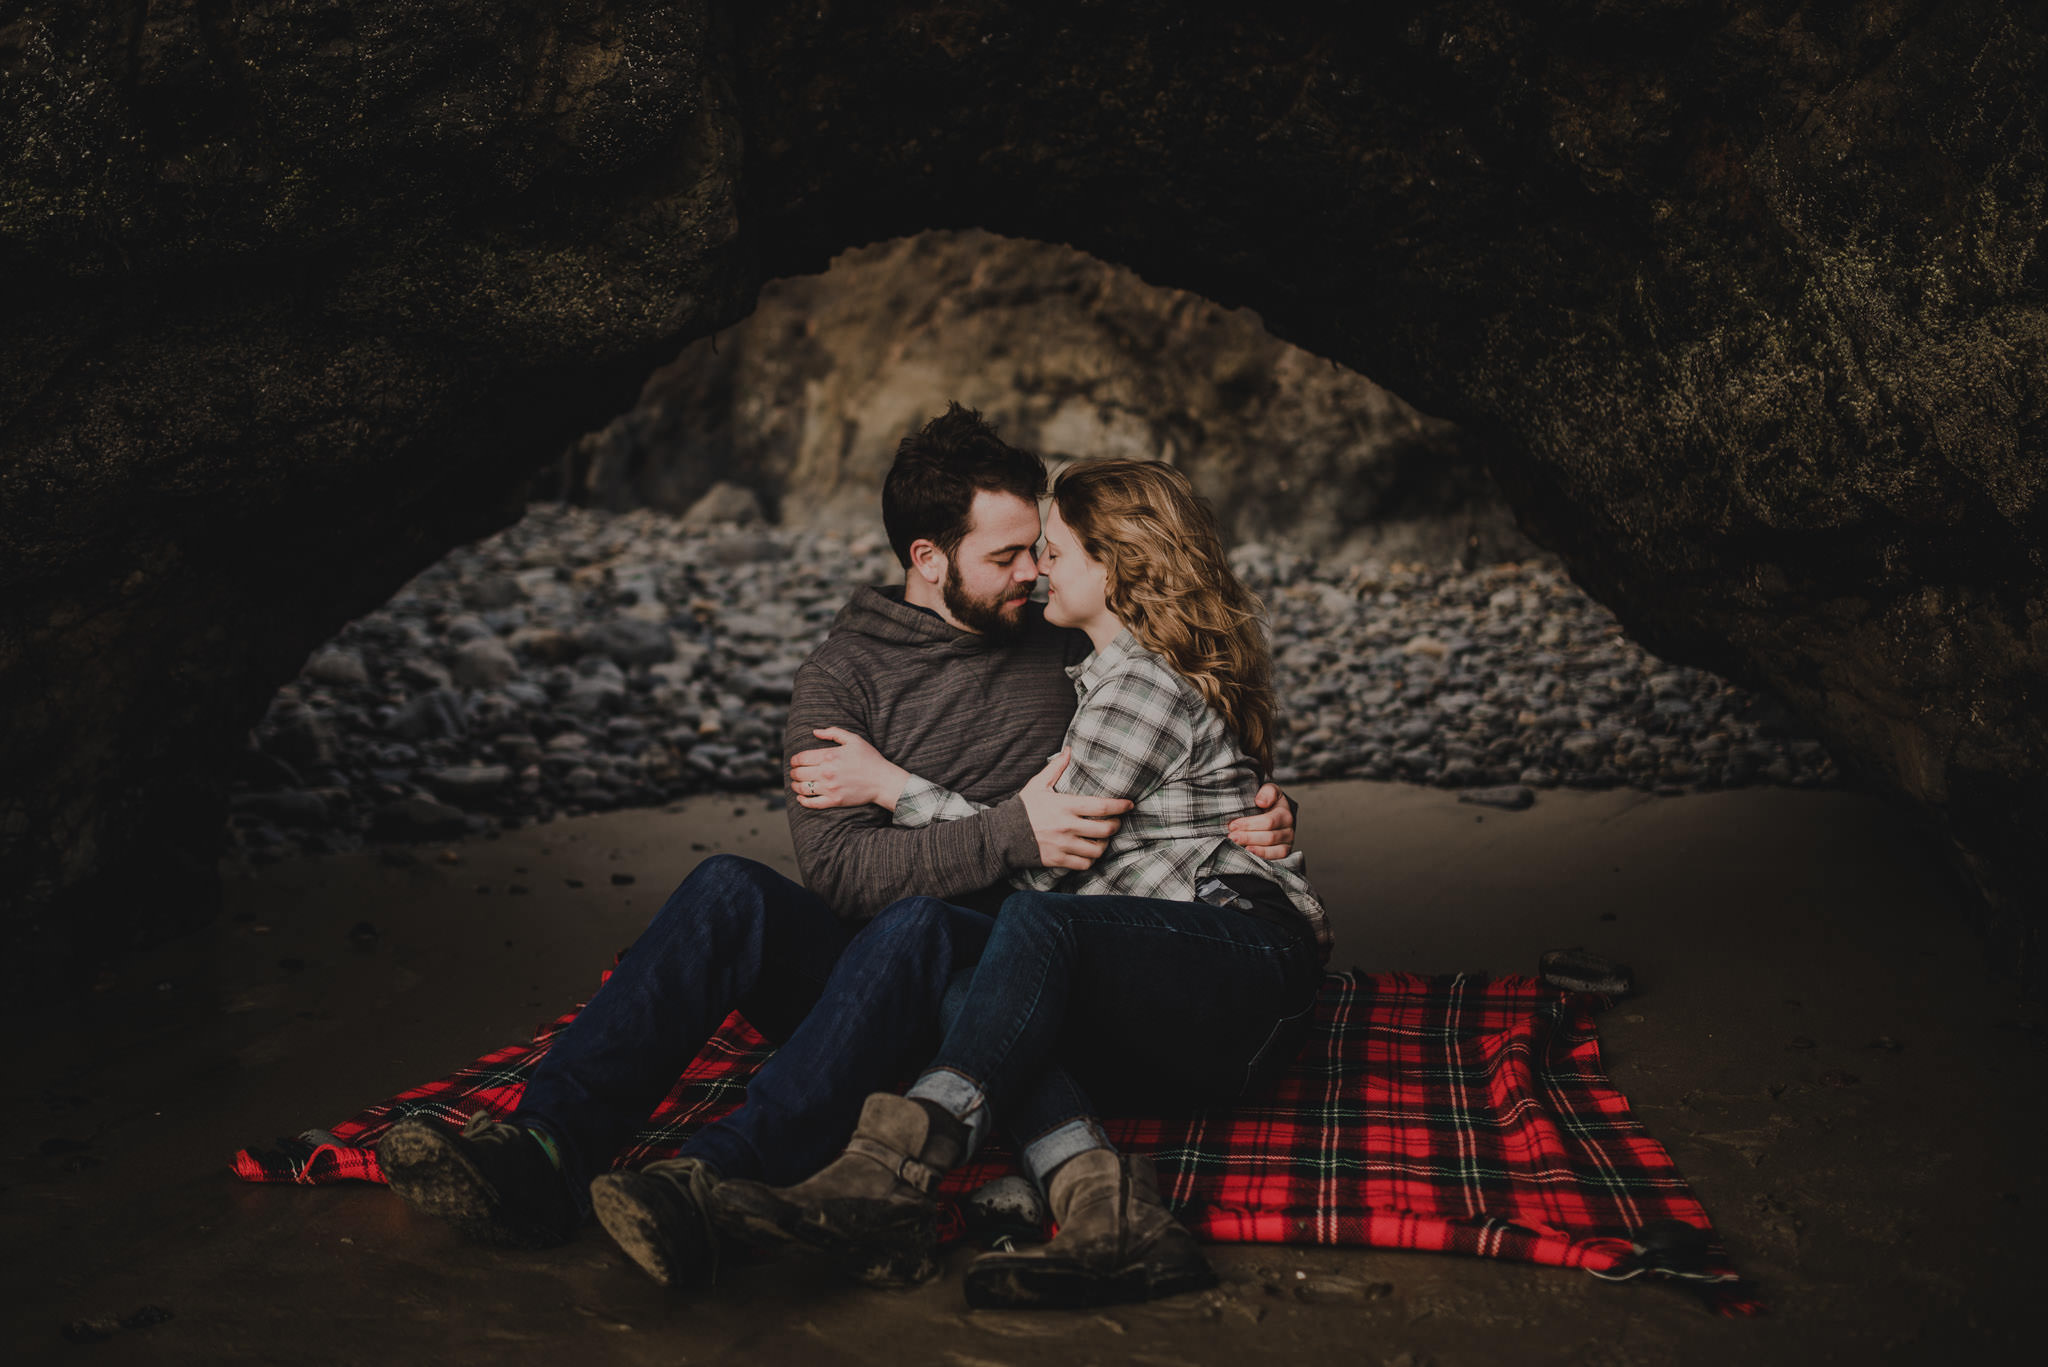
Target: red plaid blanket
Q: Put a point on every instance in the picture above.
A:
(1458, 1114)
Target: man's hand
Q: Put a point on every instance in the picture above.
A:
(851, 773)
(1072, 831)
(1270, 834)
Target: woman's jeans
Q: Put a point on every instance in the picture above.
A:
(853, 1008)
(1148, 1004)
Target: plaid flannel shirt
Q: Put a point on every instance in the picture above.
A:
(1141, 731)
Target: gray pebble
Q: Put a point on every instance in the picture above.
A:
(468, 785)
(594, 697)
(466, 628)
(527, 695)
(630, 641)
(422, 673)
(1510, 798)
(419, 818)
(489, 590)
(744, 549)
(431, 716)
(338, 666)
(483, 662)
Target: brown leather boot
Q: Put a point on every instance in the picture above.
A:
(872, 1206)
(1117, 1242)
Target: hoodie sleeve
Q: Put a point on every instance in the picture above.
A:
(856, 858)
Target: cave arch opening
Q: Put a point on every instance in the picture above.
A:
(633, 639)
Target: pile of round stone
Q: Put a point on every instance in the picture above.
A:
(581, 661)
(1502, 674)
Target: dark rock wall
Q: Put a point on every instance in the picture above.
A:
(1746, 301)
(807, 398)
(293, 297)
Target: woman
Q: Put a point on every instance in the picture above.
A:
(1178, 970)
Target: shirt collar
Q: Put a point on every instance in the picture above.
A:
(1097, 663)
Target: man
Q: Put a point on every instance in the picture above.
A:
(956, 676)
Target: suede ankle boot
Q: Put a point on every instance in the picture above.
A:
(872, 1206)
(660, 1217)
(1117, 1242)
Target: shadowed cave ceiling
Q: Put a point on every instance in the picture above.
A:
(1745, 302)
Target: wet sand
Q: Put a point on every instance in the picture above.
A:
(1815, 1038)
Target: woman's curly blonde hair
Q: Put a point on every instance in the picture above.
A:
(1170, 582)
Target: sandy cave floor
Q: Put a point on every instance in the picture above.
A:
(1879, 1192)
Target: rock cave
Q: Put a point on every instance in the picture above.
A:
(1739, 313)
(1758, 357)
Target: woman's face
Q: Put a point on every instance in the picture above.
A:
(1074, 583)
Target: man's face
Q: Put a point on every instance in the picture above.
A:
(991, 571)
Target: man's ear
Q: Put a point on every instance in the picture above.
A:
(928, 561)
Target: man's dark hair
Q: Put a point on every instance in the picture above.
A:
(929, 495)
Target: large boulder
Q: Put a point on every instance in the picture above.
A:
(1745, 302)
(1069, 356)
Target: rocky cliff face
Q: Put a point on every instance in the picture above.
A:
(291, 294)
(1744, 300)
(807, 398)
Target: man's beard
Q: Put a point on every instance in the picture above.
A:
(983, 615)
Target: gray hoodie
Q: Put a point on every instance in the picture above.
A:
(972, 715)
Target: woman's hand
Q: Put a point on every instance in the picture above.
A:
(852, 773)
(1270, 834)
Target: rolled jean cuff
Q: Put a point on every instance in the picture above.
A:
(957, 1095)
(1055, 1147)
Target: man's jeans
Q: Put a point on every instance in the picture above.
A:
(854, 1010)
(1149, 1003)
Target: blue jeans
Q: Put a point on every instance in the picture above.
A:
(1148, 1003)
(853, 1009)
